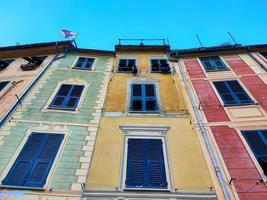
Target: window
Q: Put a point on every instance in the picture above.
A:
(126, 65)
(84, 63)
(4, 63)
(264, 54)
(143, 98)
(159, 65)
(35, 160)
(257, 141)
(3, 84)
(145, 164)
(67, 97)
(232, 93)
(213, 63)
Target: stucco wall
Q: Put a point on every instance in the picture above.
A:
(188, 165)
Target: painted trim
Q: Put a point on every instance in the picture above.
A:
(145, 132)
(93, 68)
(70, 82)
(142, 80)
(40, 129)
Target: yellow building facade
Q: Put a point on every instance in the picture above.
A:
(146, 146)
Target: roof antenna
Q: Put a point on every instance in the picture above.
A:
(199, 41)
(232, 38)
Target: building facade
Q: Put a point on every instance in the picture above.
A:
(228, 86)
(47, 143)
(146, 146)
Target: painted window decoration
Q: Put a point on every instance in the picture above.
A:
(232, 93)
(213, 63)
(143, 98)
(264, 54)
(127, 65)
(257, 141)
(145, 164)
(67, 97)
(3, 84)
(84, 63)
(35, 160)
(160, 65)
(4, 63)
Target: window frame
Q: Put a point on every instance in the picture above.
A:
(68, 82)
(13, 59)
(227, 68)
(250, 151)
(2, 91)
(254, 102)
(126, 58)
(58, 130)
(86, 69)
(145, 132)
(141, 81)
(157, 58)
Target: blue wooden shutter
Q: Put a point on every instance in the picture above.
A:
(149, 98)
(155, 164)
(136, 97)
(145, 164)
(34, 161)
(135, 163)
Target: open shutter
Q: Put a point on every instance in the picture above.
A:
(39, 172)
(155, 164)
(135, 163)
(24, 162)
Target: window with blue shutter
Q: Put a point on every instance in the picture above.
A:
(35, 160)
(264, 54)
(126, 65)
(143, 98)
(67, 97)
(84, 63)
(232, 93)
(213, 63)
(159, 65)
(145, 164)
(3, 84)
(257, 141)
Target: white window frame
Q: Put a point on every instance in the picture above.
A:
(42, 129)
(68, 82)
(76, 60)
(126, 57)
(142, 81)
(145, 132)
(156, 57)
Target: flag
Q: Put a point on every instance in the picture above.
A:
(68, 34)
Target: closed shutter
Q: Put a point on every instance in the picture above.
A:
(145, 164)
(33, 164)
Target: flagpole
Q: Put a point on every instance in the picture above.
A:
(73, 40)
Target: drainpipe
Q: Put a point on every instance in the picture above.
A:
(11, 110)
(204, 134)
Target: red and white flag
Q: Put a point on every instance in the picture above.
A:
(68, 34)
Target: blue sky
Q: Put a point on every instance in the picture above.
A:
(101, 22)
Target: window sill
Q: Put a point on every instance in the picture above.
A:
(148, 189)
(78, 68)
(62, 109)
(21, 187)
(219, 70)
(240, 105)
